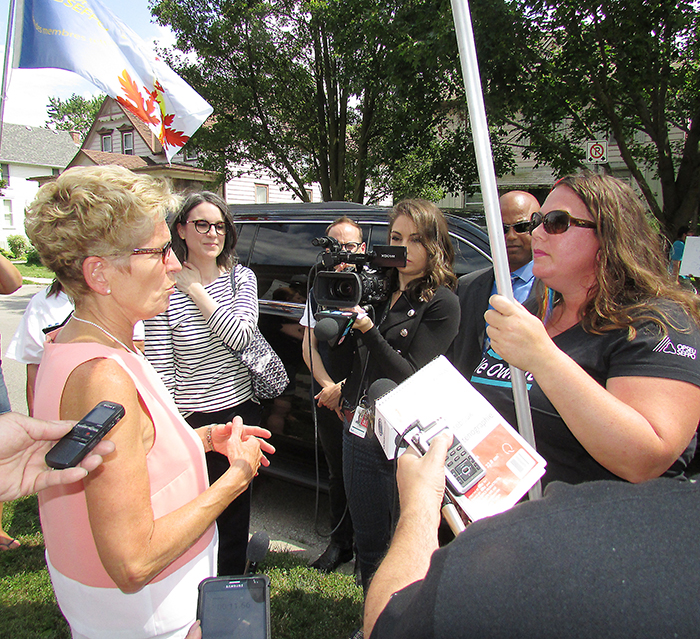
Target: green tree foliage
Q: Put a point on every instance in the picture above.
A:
(628, 69)
(74, 114)
(354, 94)
(18, 245)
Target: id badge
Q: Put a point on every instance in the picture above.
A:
(360, 421)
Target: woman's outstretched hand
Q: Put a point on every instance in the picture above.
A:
(363, 322)
(233, 437)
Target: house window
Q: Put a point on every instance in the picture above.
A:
(190, 154)
(106, 141)
(128, 143)
(7, 220)
(310, 194)
(262, 194)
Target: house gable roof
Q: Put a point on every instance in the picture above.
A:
(102, 158)
(37, 146)
(108, 107)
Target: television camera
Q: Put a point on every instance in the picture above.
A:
(368, 284)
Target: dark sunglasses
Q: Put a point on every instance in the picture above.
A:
(557, 222)
(518, 227)
(164, 252)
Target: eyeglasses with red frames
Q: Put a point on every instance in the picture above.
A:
(164, 252)
(557, 222)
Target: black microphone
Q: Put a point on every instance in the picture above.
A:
(326, 329)
(257, 549)
(378, 389)
(333, 326)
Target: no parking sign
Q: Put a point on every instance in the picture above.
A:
(597, 152)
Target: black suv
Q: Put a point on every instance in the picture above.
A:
(274, 240)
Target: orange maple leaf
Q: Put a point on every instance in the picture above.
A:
(140, 108)
(174, 138)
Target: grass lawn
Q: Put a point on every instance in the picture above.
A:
(305, 604)
(34, 271)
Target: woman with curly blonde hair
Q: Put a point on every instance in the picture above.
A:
(127, 547)
(613, 376)
(416, 324)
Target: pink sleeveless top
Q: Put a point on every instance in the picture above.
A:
(176, 464)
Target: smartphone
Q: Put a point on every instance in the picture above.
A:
(234, 607)
(462, 469)
(74, 446)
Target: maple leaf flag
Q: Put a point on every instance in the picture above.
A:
(86, 38)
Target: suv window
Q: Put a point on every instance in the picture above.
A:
(283, 252)
(467, 258)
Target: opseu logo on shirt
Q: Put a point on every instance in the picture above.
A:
(667, 346)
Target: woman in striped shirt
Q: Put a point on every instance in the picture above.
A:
(191, 344)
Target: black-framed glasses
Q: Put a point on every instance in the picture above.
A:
(350, 247)
(164, 252)
(557, 222)
(203, 227)
(518, 227)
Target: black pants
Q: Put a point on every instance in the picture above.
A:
(330, 433)
(234, 521)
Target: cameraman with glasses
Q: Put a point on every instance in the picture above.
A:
(330, 367)
(611, 353)
(475, 289)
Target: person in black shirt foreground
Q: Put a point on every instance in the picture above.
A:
(602, 559)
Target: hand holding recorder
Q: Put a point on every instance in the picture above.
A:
(421, 479)
(24, 441)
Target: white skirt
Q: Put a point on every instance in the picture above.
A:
(162, 610)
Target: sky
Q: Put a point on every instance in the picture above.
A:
(30, 89)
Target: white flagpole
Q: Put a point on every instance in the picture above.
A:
(489, 190)
(6, 66)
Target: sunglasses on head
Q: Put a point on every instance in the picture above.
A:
(518, 227)
(557, 222)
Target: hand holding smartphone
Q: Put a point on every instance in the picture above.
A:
(73, 447)
(235, 607)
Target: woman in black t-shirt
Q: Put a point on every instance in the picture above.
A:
(612, 369)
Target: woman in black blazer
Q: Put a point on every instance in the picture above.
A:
(416, 324)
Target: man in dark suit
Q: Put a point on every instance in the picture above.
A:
(476, 288)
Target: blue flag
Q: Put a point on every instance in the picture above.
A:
(84, 37)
